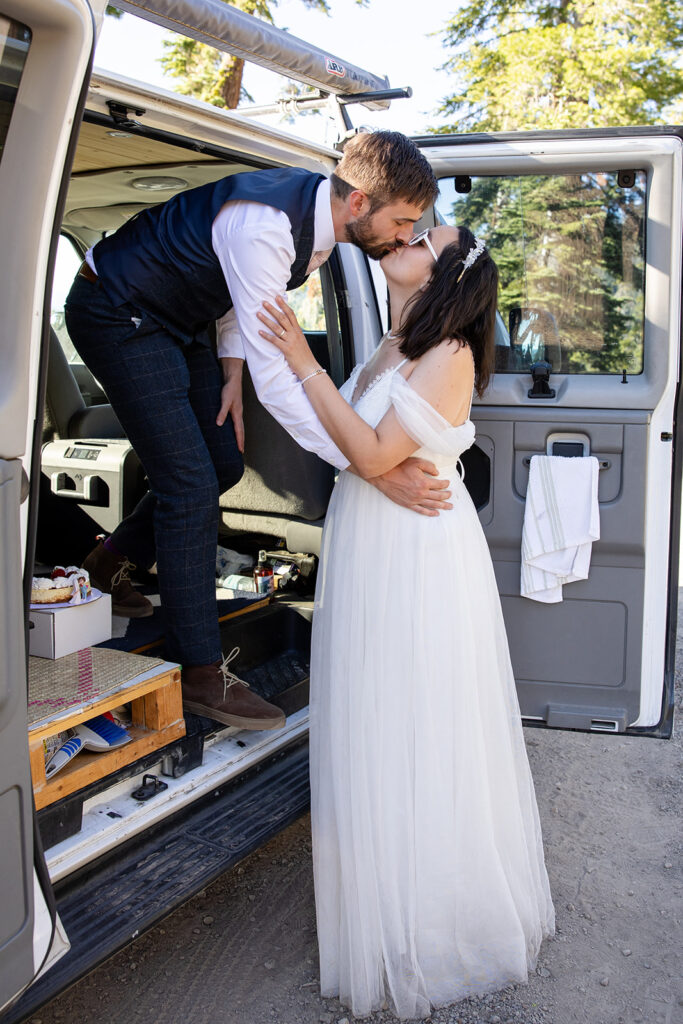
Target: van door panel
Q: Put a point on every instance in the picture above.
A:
(596, 660)
(16, 809)
(551, 668)
(45, 50)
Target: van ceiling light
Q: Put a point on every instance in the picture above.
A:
(119, 135)
(158, 183)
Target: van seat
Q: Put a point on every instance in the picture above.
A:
(285, 490)
(70, 415)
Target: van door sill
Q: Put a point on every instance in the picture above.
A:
(112, 817)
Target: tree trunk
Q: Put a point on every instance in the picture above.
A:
(231, 81)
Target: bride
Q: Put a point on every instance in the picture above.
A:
(430, 883)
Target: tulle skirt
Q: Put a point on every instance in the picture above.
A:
(430, 883)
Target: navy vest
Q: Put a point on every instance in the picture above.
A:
(162, 260)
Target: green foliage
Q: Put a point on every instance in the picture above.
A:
(571, 245)
(307, 303)
(525, 64)
(209, 74)
(199, 69)
(206, 73)
(214, 76)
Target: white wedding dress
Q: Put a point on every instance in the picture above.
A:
(430, 883)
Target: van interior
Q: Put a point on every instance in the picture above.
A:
(278, 506)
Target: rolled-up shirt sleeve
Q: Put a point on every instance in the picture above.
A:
(228, 336)
(256, 255)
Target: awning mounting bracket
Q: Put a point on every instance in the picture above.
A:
(120, 114)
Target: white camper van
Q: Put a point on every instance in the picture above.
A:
(586, 227)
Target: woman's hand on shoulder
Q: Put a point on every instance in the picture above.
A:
(282, 330)
(444, 377)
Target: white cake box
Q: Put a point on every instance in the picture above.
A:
(57, 630)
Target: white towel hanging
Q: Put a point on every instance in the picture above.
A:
(561, 521)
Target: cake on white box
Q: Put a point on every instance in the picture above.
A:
(60, 629)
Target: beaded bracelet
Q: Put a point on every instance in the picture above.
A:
(314, 374)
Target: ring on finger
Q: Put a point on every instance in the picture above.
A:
(282, 332)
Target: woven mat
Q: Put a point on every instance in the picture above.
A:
(80, 678)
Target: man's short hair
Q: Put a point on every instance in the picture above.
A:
(388, 167)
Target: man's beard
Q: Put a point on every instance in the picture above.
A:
(360, 233)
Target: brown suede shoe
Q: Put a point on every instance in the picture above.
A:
(214, 691)
(110, 573)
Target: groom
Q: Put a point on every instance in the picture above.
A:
(138, 313)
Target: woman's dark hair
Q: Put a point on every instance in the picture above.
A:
(463, 310)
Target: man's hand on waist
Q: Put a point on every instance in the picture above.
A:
(414, 484)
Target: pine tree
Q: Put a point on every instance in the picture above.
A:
(209, 74)
(570, 246)
(563, 64)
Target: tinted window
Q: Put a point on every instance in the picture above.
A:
(570, 254)
(15, 39)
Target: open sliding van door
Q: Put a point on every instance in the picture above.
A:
(45, 53)
(586, 231)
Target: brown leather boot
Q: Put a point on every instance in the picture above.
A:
(110, 573)
(214, 691)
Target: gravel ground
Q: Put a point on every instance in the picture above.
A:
(244, 951)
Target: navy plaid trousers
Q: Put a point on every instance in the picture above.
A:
(167, 396)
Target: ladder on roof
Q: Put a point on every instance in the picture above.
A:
(243, 35)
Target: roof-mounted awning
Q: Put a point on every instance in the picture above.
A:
(226, 28)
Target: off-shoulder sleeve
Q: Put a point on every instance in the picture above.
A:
(424, 424)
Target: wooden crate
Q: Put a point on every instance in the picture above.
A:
(157, 712)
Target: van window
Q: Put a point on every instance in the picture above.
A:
(307, 303)
(15, 40)
(66, 265)
(68, 261)
(570, 251)
(315, 306)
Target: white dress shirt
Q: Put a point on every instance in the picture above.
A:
(255, 248)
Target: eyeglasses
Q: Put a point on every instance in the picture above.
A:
(424, 237)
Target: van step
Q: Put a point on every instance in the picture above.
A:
(121, 895)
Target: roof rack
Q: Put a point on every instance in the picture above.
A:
(216, 23)
(335, 104)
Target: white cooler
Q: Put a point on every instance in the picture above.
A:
(104, 477)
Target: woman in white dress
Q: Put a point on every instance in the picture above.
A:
(430, 882)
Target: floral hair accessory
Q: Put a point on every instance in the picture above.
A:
(473, 255)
